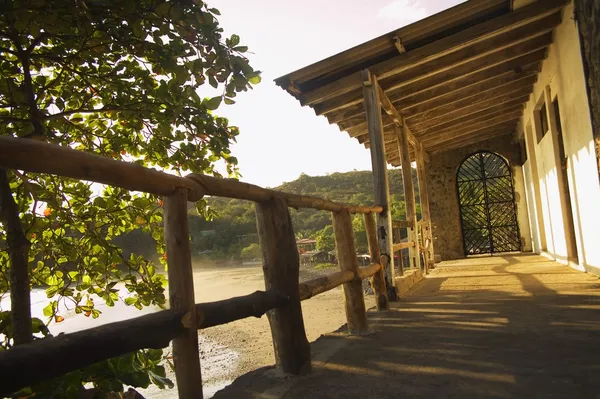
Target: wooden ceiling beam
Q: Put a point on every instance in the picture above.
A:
(472, 111)
(410, 34)
(440, 48)
(500, 124)
(476, 91)
(484, 136)
(467, 130)
(512, 90)
(434, 99)
(466, 63)
(472, 118)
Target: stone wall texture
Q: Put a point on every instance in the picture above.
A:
(587, 13)
(445, 212)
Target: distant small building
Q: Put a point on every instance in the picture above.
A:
(315, 257)
(306, 245)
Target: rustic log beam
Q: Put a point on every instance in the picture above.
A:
(403, 224)
(410, 34)
(378, 282)
(368, 271)
(217, 313)
(39, 157)
(235, 189)
(186, 356)
(409, 195)
(478, 102)
(450, 44)
(309, 289)
(404, 245)
(455, 138)
(29, 364)
(281, 267)
(372, 104)
(485, 135)
(426, 234)
(501, 109)
(346, 253)
(473, 111)
(482, 56)
(468, 128)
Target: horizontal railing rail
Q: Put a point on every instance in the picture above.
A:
(40, 157)
(28, 364)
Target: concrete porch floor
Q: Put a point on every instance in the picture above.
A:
(516, 326)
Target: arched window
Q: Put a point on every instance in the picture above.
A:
(487, 205)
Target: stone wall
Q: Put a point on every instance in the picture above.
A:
(445, 213)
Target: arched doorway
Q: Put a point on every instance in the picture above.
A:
(487, 205)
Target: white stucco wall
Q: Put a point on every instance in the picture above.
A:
(562, 74)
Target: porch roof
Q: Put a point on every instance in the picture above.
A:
(455, 78)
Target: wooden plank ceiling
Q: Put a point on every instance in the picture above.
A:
(457, 77)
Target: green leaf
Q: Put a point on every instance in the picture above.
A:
(213, 103)
(240, 49)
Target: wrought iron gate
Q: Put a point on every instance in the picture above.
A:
(487, 205)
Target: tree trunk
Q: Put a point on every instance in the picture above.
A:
(18, 247)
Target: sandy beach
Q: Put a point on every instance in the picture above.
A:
(227, 351)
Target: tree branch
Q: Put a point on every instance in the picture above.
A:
(18, 247)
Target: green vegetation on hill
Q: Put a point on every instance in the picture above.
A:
(233, 224)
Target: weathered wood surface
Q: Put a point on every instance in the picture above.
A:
(346, 254)
(281, 265)
(253, 305)
(48, 358)
(380, 175)
(235, 189)
(426, 233)
(404, 245)
(17, 246)
(39, 157)
(186, 356)
(409, 195)
(378, 281)
(410, 34)
(459, 41)
(89, 346)
(309, 289)
(515, 43)
(368, 271)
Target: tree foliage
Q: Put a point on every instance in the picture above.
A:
(129, 80)
(234, 221)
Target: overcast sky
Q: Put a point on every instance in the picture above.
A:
(280, 139)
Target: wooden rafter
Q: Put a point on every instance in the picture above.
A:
(447, 45)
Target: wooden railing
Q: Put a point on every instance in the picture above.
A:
(27, 364)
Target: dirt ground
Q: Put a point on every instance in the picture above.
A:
(234, 349)
(496, 327)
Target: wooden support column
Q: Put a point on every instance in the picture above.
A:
(372, 104)
(346, 254)
(378, 280)
(181, 294)
(281, 268)
(409, 195)
(425, 213)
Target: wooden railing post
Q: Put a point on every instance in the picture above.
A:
(281, 268)
(378, 278)
(347, 259)
(426, 233)
(409, 195)
(381, 186)
(181, 294)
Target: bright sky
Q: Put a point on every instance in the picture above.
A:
(279, 139)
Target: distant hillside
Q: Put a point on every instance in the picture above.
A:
(234, 225)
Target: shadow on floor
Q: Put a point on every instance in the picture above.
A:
(515, 327)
